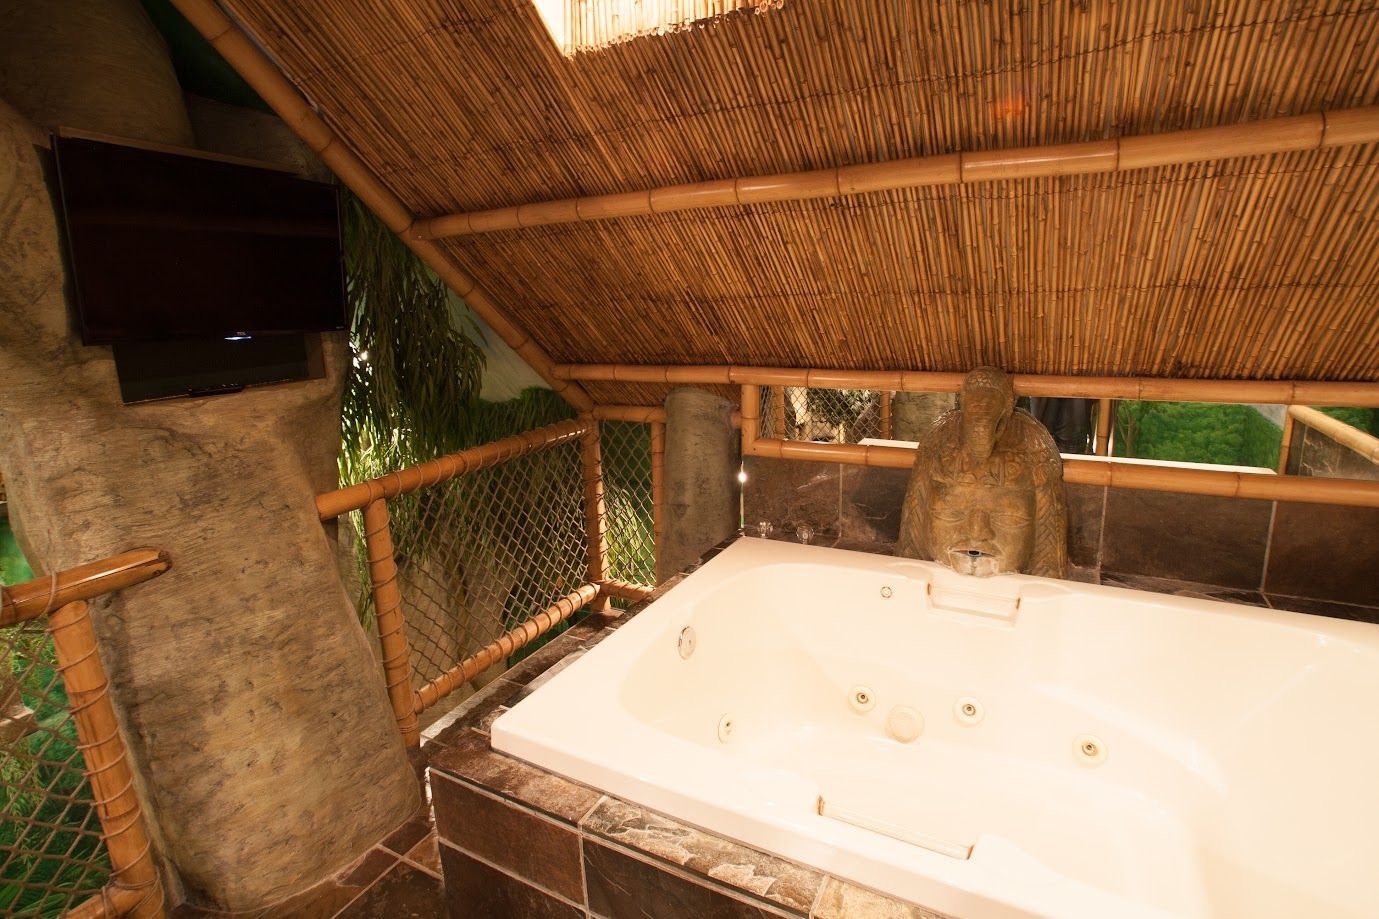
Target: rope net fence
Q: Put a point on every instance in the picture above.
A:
(51, 852)
(627, 497)
(839, 416)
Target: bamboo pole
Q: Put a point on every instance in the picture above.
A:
(778, 411)
(886, 414)
(1285, 447)
(1103, 427)
(658, 487)
(595, 511)
(1276, 392)
(392, 628)
(519, 637)
(1318, 130)
(624, 590)
(751, 421)
(107, 765)
(240, 52)
(1348, 436)
(1220, 482)
(31, 599)
(110, 903)
(639, 414)
(353, 497)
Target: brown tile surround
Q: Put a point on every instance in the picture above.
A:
(516, 840)
(1309, 558)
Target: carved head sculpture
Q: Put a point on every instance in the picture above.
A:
(986, 493)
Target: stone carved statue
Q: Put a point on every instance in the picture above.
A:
(986, 493)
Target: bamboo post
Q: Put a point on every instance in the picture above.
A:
(658, 486)
(778, 411)
(751, 412)
(595, 512)
(1104, 408)
(886, 414)
(1285, 447)
(1064, 386)
(1313, 131)
(107, 763)
(392, 628)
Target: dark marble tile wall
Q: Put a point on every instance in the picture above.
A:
(516, 840)
(1306, 557)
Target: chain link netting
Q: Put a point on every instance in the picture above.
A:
(627, 499)
(51, 853)
(839, 416)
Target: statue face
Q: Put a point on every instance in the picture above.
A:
(981, 529)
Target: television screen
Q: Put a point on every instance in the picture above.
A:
(165, 246)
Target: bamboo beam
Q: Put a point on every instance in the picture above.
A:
(392, 627)
(1276, 392)
(31, 599)
(107, 764)
(1219, 482)
(1285, 447)
(886, 414)
(1315, 131)
(624, 590)
(637, 414)
(595, 511)
(658, 487)
(1344, 434)
(519, 637)
(242, 54)
(1104, 409)
(354, 497)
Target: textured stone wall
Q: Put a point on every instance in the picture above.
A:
(702, 459)
(254, 709)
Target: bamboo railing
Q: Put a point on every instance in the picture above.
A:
(1277, 392)
(135, 888)
(1352, 438)
(275, 89)
(372, 498)
(1317, 130)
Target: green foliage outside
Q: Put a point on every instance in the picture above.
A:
(1194, 432)
(34, 796)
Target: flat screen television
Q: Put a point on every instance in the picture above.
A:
(168, 247)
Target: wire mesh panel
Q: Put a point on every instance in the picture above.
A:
(51, 853)
(627, 498)
(480, 554)
(841, 416)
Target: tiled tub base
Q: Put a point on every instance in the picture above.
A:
(518, 841)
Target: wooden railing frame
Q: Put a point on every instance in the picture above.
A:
(1153, 389)
(1348, 436)
(1313, 131)
(372, 498)
(135, 889)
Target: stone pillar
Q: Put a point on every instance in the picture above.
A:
(913, 412)
(255, 712)
(702, 493)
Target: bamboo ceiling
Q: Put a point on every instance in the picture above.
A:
(1263, 267)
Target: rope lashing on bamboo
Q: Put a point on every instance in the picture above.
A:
(1315, 131)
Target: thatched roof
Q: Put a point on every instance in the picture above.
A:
(1261, 267)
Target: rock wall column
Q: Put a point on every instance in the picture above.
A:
(255, 712)
(702, 493)
(913, 412)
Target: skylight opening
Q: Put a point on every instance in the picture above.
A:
(587, 25)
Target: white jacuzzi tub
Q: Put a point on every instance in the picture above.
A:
(1233, 766)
